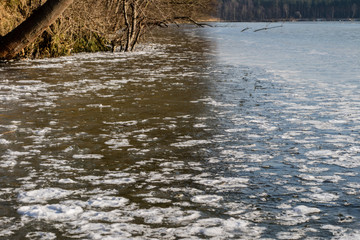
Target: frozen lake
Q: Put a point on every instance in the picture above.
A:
(207, 133)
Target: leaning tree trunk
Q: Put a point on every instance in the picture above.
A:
(31, 28)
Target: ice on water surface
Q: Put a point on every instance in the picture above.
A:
(186, 138)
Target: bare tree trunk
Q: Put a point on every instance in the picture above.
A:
(134, 23)
(127, 24)
(31, 28)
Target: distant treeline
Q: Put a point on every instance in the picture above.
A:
(267, 10)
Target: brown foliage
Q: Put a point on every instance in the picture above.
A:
(96, 25)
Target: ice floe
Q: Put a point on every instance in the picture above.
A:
(206, 199)
(190, 143)
(118, 143)
(52, 212)
(107, 201)
(41, 235)
(43, 195)
(88, 156)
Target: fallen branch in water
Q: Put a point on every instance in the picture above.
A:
(189, 19)
(247, 28)
(267, 28)
(8, 132)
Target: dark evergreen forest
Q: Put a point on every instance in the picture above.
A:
(268, 10)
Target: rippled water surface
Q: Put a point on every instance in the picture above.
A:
(207, 133)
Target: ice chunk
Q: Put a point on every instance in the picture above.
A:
(41, 235)
(324, 197)
(206, 199)
(43, 195)
(4, 141)
(107, 201)
(190, 143)
(54, 212)
(66, 181)
(88, 156)
(157, 200)
(118, 143)
(303, 210)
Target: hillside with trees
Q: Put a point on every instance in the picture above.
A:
(269, 10)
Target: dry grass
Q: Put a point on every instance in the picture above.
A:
(13, 12)
(9, 18)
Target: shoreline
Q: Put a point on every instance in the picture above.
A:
(286, 20)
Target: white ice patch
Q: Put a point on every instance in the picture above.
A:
(324, 197)
(156, 215)
(199, 125)
(42, 131)
(216, 228)
(233, 153)
(107, 202)
(41, 235)
(13, 155)
(190, 143)
(157, 200)
(296, 215)
(105, 231)
(303, 210)
(8, 163)
(54, 212)
(213, 102)
(345, 161)
(43, 195)
(320, 179)
(116, 181)
(66, 181)
(236, 130)
(320, 154)
(88, 156)
(184, 218)
(206, 199)
(108, 216)
(98, 106)
(46, 66)
(225, 183)
(113, 178)
(123, 123)
(289, 235)
(342, 233)
(118, 143)
(153, 215)
(4, 141)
